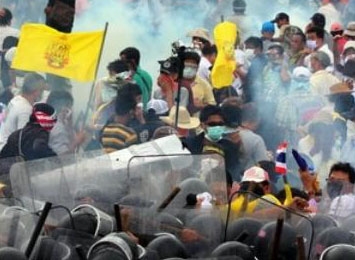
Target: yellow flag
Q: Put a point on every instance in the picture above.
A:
(71, 55)
(225, 35)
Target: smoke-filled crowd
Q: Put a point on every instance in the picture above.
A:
(263, 168)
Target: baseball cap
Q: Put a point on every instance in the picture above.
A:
(336, 26)
(255, 174)
(268, 27)
(159, 106)
(170, 65)
(280, 16)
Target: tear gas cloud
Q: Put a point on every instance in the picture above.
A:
(152, 25)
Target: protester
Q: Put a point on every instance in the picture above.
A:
(63, 138)
(209, 54)
(31, 142)
(168, 80)
(20, 107)
(267, 33)
(132, 56)
(321, 80)
(116, 135)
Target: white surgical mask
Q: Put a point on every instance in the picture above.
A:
(249, 54)
(189, 72)
(311, 44)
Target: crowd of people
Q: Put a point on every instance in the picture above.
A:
(290, 85)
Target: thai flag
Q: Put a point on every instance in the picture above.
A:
(281, 167)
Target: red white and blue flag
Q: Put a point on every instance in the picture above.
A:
(281, 167)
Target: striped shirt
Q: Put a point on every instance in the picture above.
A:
(116, 136)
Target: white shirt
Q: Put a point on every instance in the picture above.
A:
(17, 115)
(204, 69)
(6, 31)
(325, 49)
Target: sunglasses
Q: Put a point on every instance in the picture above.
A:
(216, 124)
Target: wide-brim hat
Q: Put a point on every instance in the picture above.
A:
(350, 29)
(200, 33)
(341, 88)
(185, 121)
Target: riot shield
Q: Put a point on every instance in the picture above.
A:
(174, 203)
(16, 224)
(274, 231)
(66, 180)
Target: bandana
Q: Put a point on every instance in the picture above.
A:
(46, 121)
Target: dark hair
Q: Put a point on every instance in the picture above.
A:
(118, 66)
(59, 99)
(123, 105)
(318, 31)
(9, 41)
(6, 17)
(256, 42)
(302, 35)
(129, 90)
(191, 55)
(232, 115)
(346, 168)
(318, 20)
(131, 53)
(250, 113)
(31, 82)
(278, 48)
(209, 50)
(208, 111)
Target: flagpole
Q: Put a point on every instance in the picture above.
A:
(96, 72)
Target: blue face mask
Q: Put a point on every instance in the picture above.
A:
(215, 133)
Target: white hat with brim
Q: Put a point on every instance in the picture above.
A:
(185, 121)
(350, 29)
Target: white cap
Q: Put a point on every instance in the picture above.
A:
(159, 106)
(255, 174)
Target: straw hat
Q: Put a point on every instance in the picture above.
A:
(200, 33)
(341, 88)
(185, 121)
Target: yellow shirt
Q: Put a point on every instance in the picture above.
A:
(202, 92)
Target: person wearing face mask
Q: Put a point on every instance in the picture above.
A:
(196, 93)
(253, 82)
(20, 107)
(213, 139)
(340, 190)
(105, 91)
(63, 139)
(316, 42)
(347, 54)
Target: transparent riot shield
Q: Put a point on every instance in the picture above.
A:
(16, 224)
(176, 202)
(272, 230)
(68, 181)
